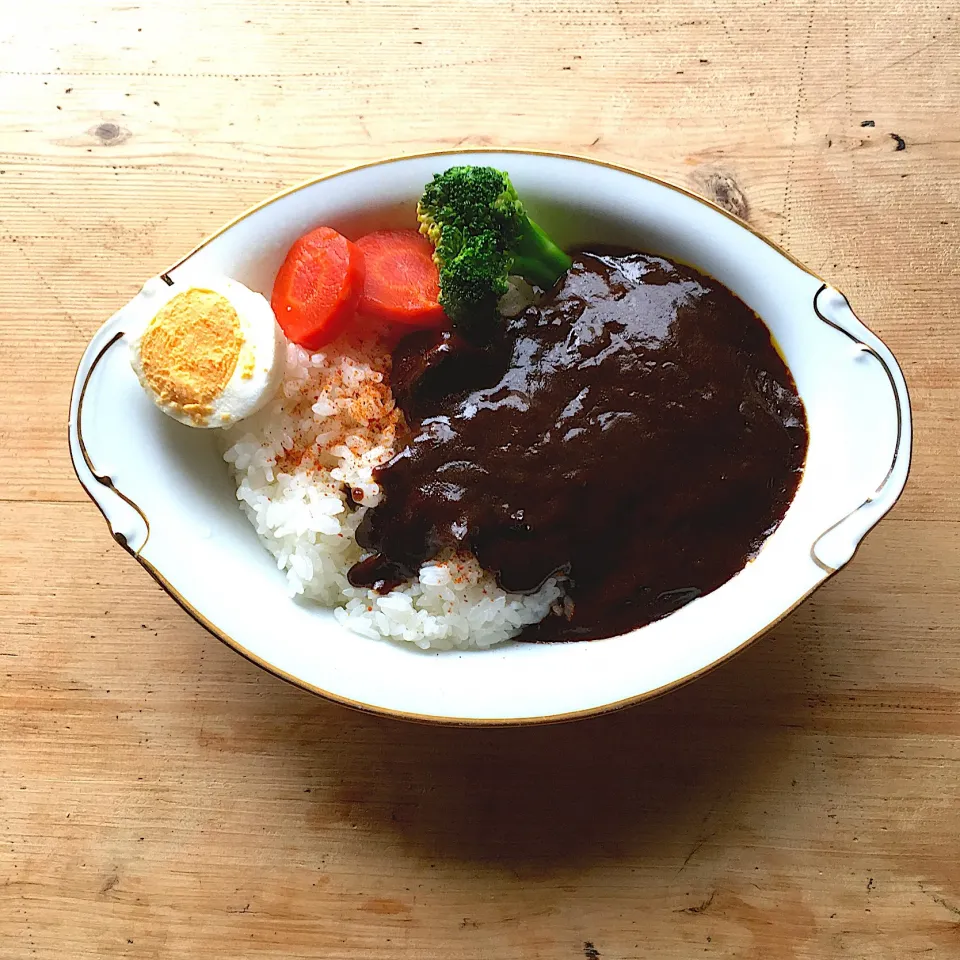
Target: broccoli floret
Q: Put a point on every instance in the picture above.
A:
(481, 235)
(473, 277)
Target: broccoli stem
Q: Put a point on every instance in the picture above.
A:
(537, 258)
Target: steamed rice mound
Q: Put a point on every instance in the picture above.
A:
(333, 421)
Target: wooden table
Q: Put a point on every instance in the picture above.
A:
(160, 797)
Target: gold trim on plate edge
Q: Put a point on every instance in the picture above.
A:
(516, 151)
(428, 718)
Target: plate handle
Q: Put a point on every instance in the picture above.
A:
(128, 524)
(838, 543)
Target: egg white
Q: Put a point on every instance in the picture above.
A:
(260, 365)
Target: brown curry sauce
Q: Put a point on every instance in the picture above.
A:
(637, 433)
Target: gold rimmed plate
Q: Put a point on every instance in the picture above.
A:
(168, 498)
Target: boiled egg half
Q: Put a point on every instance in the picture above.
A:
(207, 350)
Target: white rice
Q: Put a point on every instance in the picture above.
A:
(333, 421)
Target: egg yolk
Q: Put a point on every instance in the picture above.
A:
(190, 349)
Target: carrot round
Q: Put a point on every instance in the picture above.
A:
(318, 288)
(402, 282)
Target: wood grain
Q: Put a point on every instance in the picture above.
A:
(160, 797)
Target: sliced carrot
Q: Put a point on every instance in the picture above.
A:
(318, 288)
(402, 283)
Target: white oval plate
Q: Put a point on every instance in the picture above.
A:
(168, 498)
